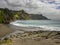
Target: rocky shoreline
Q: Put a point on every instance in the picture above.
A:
(32, 38)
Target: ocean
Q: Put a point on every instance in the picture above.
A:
(50, 25)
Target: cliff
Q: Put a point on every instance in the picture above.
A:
(7, 16)
(38, 17)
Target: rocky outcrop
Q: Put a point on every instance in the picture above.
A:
(38, 17)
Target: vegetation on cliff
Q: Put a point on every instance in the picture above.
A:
(7, 15)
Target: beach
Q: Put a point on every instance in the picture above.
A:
(5, 30)
(29, 37)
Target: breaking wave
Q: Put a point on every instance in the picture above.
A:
(29, 25)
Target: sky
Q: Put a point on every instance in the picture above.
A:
(49, 8)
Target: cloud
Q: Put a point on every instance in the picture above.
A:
(29, 3)
(47, 7)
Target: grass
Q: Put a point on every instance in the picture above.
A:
(8, 41)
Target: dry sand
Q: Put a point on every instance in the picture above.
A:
(4, 30)
(34, 40)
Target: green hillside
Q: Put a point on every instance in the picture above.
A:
(7, 16)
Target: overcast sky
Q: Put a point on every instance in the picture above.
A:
(49, 8)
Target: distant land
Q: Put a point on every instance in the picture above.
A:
(7, 16)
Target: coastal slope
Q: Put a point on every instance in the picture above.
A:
(6, 16)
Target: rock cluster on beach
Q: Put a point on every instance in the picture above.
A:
(35, 36)
(30, 37)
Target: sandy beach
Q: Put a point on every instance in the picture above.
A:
(4, 30)
(29, 37)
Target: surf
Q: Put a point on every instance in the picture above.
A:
(33, 25)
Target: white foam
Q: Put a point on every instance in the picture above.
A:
(49, 28)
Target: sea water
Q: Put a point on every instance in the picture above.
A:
(51, 25)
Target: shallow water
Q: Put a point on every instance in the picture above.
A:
(47, 24)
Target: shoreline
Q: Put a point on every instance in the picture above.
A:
(37, 37)
(6, 29)
(32, 28)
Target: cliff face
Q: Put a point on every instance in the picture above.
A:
(7, 16)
